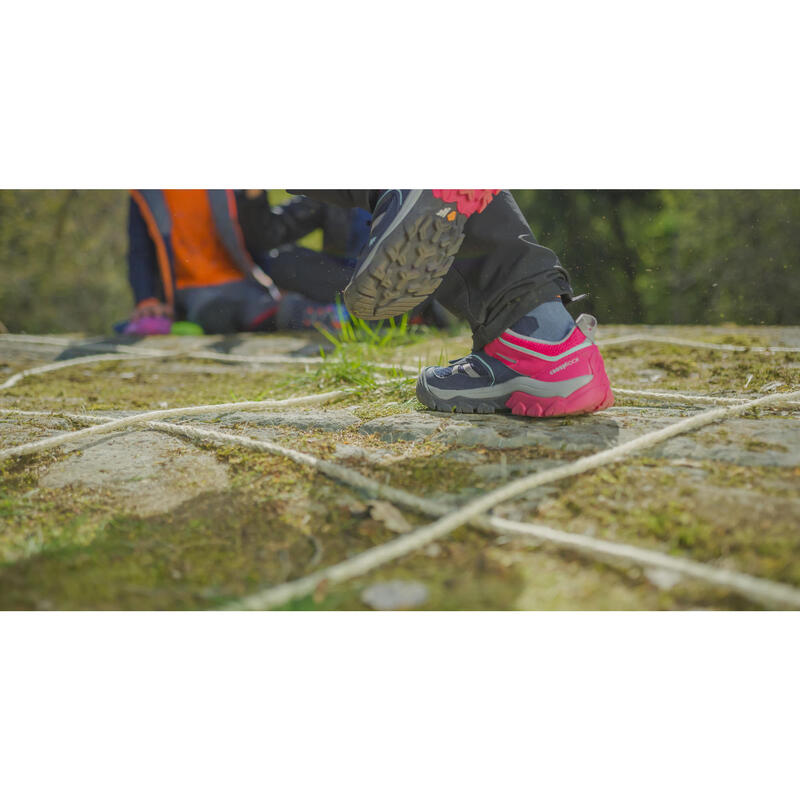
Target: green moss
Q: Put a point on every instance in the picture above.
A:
(739, 339)
(276, 522)
(460, 577)
(398, 400)
(222, 546)
(697, 371)
(675, 366)
(134, 386)
(68, 549)
(33, 521)
(428, 473)
(211, 549)
(772, 482)
(756, 446)
(21, 472)
(683, 516)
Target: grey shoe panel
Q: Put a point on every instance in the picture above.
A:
(521, 384)
(464, 405)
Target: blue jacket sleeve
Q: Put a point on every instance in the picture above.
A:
(143, 273)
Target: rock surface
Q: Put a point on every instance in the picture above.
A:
(395, 595)
(149, 472)
(410, 427)
(322, 419)
(726, 495)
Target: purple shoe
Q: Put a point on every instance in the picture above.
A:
(149, 326)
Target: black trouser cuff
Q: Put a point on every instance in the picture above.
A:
(517, 302)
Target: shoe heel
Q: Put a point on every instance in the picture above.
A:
(595, 396)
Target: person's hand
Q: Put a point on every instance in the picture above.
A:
(151, 308)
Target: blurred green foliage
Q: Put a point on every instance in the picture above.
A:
(661, 256)
(62, 260)
(676, 257)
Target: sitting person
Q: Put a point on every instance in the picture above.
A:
(320, 275)
(190, 259)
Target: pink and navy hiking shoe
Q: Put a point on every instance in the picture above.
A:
(414, 237)
(532, 377)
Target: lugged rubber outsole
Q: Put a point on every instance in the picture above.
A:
(408, 269)
(585, 401)
(410, 263)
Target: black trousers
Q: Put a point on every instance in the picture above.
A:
(318, 276)
(500, 273)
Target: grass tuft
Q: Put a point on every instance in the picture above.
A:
(358, 342)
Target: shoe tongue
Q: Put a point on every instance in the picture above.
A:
(468, 365)
(478, 365)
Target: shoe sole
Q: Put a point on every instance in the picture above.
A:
(595, 396)
(408, 263)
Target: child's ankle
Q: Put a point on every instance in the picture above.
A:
(549, 322)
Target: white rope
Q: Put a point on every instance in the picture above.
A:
(213, 355)
(472, 512)
(25, 338)
(748, 586)
(266, 358)
(690, 398)
(65, 414)
(126, 353)
(276, 359)
(70, 362)
(64, 341)
(449, 522)
(52, 342)
(757, 589)
(427, 534)
(139, 351)
(617, 340)
(137, 419)
(316, 360)
(733, 348)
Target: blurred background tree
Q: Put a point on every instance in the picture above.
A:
(660, 256)
(676, 257)
(63, 260)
